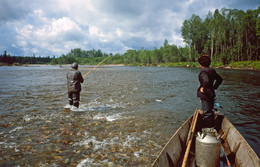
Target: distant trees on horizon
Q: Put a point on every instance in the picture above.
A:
(8, 59)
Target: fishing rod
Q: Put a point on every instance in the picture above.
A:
(96, 66)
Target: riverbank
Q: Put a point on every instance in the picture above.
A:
(245, 65)
(23, 65)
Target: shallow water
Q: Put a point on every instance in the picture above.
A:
(126, 114)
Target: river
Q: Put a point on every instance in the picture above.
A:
(126, 114)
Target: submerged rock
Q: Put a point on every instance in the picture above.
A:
(65, 142)
(110, 164)
(67, 160)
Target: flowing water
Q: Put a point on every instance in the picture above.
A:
(126, 114)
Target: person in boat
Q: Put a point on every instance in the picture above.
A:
(74, 80)
(209, 82)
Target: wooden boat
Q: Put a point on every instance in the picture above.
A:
(238, 151)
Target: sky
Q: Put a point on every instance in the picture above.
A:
(54, 27)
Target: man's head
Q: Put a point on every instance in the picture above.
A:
(75, 65)
(204, 60)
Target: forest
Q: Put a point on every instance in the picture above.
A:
(6, 58)
(226, 35)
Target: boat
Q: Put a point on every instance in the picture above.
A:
(234, 147)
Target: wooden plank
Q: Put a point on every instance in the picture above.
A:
(173, 151)
(244, 154)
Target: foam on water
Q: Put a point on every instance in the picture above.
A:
(85, 161)
(97, 144)
(130, 139)
(138, 153)
(85, 108)
(96, 107)
(9, 145)
(26, 118)
(15, 129)
(108, 117)
(125, 142)
(67, 106)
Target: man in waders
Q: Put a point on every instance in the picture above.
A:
(74, 78)
(205, 92)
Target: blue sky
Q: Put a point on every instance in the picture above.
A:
(54, 27)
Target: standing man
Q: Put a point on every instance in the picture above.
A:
(74, 78)
(206, 91)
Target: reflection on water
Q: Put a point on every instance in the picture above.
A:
(126, 114)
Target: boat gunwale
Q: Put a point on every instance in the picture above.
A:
(188, 121)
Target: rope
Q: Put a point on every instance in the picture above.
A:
(96, 66)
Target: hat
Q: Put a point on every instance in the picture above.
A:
(74, 65)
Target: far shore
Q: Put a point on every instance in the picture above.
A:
(38, 65)
(119, 65)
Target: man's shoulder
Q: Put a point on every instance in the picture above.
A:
(209, 70)
(77, 72)
(73, 72)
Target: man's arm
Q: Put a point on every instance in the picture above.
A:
(81, 80)
(219, 80)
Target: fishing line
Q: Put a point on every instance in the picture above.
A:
(96, 66)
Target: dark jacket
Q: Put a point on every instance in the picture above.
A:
(74, 78)
(206, 78)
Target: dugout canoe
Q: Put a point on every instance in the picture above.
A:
(239, 152)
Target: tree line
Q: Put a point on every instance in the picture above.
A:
(8, 59)
(81, 56)
(227, 35)
(167, 53)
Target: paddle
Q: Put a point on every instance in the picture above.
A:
(192, 129)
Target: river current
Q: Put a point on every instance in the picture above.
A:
(126, 114)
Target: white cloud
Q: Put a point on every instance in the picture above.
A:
(57, 29)
(53, 27)
(52, 35)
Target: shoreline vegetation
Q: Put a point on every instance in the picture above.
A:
(246, 65)
(243, 65)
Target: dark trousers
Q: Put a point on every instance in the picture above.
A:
(74, 98)
(208, 113)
